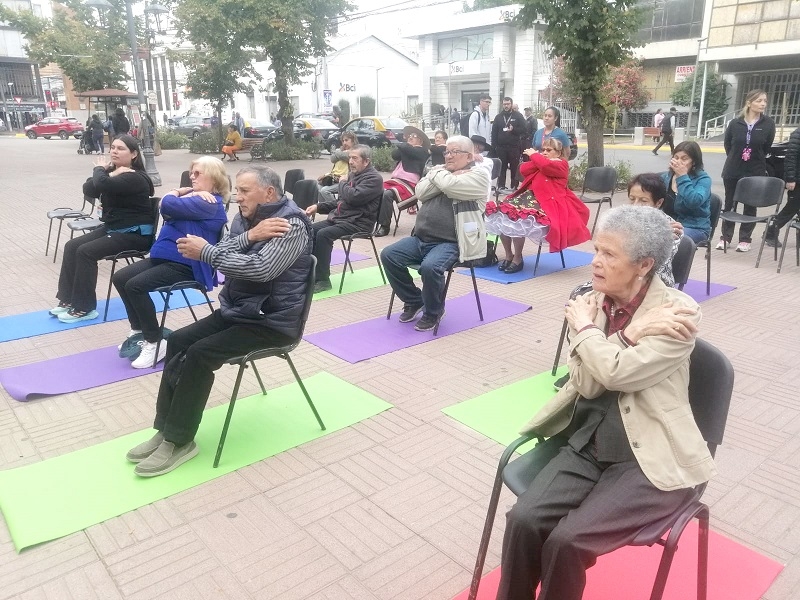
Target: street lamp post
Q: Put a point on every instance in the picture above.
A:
(694, 87)
(147, 148)
(449, 84)
(4, 98)
(378, 90)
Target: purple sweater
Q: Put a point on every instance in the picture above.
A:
(189, 215)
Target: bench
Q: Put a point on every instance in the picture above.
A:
(652, 132)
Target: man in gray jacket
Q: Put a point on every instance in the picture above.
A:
(449, 229)
(355, 210)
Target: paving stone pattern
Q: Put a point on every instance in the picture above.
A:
(391, 508)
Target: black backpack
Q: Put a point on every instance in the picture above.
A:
(464, 123)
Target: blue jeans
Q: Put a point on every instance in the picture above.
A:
(434, 259)
(697, 235)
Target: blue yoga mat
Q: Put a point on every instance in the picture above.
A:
(549, 262)
(17, 327)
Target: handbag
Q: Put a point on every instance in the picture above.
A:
(491, 256)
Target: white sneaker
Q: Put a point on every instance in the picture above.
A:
(720, 245)
(131, 333)
(145, 358)
(743, 247)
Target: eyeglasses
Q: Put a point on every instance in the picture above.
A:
(195, 174)
(414, 135)
(455, 152)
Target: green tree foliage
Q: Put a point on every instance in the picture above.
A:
(71, 36)
(367, 105)
(345, 106)
(286, 33)
(716, 103)
(591, 36)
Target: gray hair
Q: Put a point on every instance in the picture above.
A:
(364, 151)
(463, 143)
(266, 177)
(645, 232)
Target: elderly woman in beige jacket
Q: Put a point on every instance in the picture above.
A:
(627, 449)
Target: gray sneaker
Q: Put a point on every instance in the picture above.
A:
(166, 458)
(145, 449)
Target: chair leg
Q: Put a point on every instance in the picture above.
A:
(563, 262)
(783, 248)
(188, 304)
(58, 238)
(708, 269)
(483, 548)
(346, 262)
(560, 348)
(347, 254)
(258, 376)
(166, 297)
(761, 248)
(391, 303)
(702, 555)
(538, 256)
(49, 231)
(231, 404)
(108, 294)
(305, 391)
(797, 246)
(596, 216)
(208, 300)
(477, 295)
(444, 296)
(378, 260)
(396, 213)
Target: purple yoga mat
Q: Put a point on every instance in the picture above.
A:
(379, 336)
(697, 290)
(69, 374)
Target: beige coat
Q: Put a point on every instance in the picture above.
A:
(653, 380)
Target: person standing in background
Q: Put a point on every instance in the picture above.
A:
(657, 118)
(508, 130)
(790, 174)
(668, 125)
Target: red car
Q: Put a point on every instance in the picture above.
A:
(63, 127)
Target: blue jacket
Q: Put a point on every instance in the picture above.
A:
(189, 215)
(692, 206)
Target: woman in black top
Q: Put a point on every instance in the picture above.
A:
(748, 140)
(124, 190)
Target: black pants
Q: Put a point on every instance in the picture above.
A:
(386, 209)
(509, 160)
(666, 138)
(134, 284)
(193, 354)
(746, 229)
(788, 212)
(325, 234)
(575, 510)
(78, 278)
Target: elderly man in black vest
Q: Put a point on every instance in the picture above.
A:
(265, 259)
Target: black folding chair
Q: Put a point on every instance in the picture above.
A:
(306, 193)
(796, 226)
(716, 208)
(682, 261)
(281, 352)
(578, 291)
(130, 255)
(290, 179)
(347, 243)
(468, 264)
(602, 181)
(63, 213)
(710, 389)
(758, 192)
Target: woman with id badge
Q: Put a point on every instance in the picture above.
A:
(748, 140)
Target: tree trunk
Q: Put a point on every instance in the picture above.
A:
(595, 116)
(285, 109)
(220, 136)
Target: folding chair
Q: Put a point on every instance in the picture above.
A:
(468, 264)
(682, 261)
(281, 352)
(599, 180)
(716, 208)
(796, 226)
(130, 255)
(360, 235)
(290, 179)
(397, 210)
(578, 291)
(306, 193)
(710, 388)
(62, 213)
(758, 192)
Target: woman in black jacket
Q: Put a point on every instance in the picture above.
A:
(748, 140)
(124, 190)
(791, 171)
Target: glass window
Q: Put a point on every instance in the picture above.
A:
(671, 20)
(466, 47)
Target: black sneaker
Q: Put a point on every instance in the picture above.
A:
(322, 285)
(381, 231)
(410, 312)
(559, 383)
(428, 322)
(773, 242)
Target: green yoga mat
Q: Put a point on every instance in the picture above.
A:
(361, 279)
(66, 494)
(501, 413)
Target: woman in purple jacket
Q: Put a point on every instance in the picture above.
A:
(198, 210)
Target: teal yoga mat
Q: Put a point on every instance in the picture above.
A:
(62, 495)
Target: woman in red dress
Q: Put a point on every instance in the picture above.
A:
(542, 208)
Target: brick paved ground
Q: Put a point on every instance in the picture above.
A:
(392, 507)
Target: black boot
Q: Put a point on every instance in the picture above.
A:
(771, 237)
(381, 231)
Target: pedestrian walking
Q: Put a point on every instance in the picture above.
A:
(668, 125)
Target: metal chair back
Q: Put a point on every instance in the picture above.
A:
(291, 178)
(682, 261)
(601, 180)
(759, 191)
(306, 193)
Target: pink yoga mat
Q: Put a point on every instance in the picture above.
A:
(734, 572)
(69, 374)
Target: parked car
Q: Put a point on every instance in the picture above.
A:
(776, 159)
(194, 126)
(63, 127)
(257, 129)
(326, 116)
(375, 132)
(308, 129)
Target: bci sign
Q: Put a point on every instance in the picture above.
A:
(347, 87)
